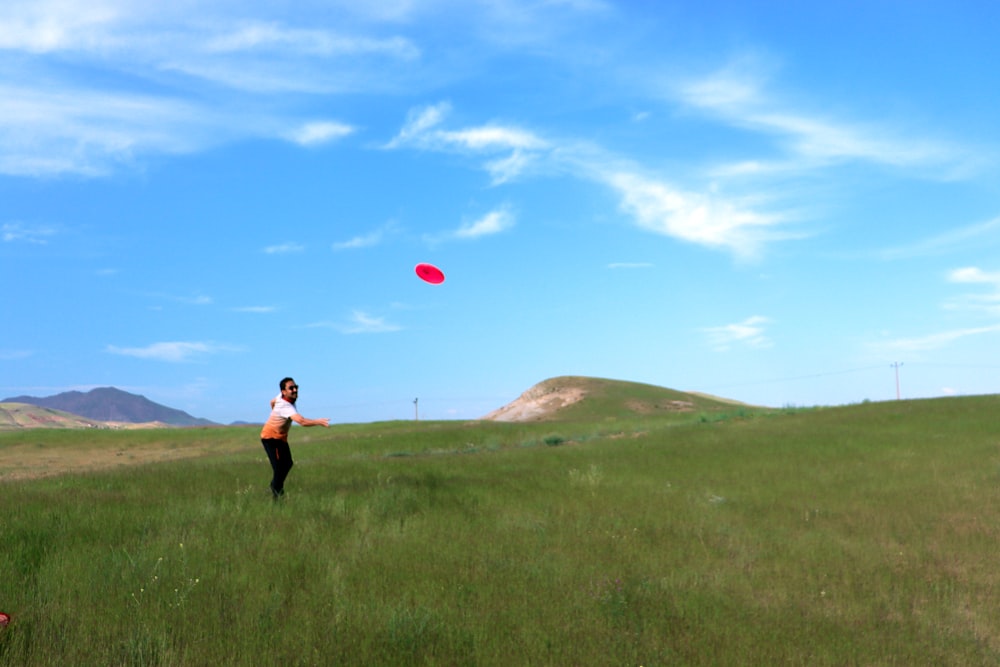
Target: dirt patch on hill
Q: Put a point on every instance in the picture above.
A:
(537, 403)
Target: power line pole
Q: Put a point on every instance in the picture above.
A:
(416, 411)
(896, 365)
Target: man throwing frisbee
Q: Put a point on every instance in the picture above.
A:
(274, 435)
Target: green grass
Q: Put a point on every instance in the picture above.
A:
(859, 535)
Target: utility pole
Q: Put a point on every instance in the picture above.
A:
(896, 365)
(416, 412)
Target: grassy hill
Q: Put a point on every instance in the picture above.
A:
(862, 534)
(573, 398)
(22, 415)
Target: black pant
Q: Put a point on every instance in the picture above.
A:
(280, 456)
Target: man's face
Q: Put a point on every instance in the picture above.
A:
(290, 392)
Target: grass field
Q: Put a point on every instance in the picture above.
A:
(861, 535)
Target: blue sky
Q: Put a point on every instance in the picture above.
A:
(773, 202)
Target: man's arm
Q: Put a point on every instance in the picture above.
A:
(302, 421)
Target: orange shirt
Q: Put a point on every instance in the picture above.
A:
(280, 421)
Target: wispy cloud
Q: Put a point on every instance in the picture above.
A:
(701, 218)
(284, 248)
(630, 265)
(203, 81)
(19, 232)
(369, 240)
(361, 322)
(254, 309)
(934, 341)
(749, 333)
(419, 123)
(319, 132)
(177, 351)
(985, 302)
(494, 222)
(708, 218)
(968, 236)
(517, 147)
(193, 300)
(68, 128)
(273, 37)
(49, 25)
(973, 274)
(985, 305)
(14, 355)
(737, 94)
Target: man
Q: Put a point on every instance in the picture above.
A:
(274, 435)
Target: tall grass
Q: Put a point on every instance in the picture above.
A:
(859, 535)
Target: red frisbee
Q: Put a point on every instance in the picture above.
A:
(4, 619)
(430, 273)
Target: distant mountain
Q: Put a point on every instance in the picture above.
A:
(108, 404)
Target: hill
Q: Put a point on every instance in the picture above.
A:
(572, 398)
(22, 415)
(107, 404)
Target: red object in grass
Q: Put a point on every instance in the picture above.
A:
(430, 273)
(4, 619)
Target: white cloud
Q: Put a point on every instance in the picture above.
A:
(736, 94)
(363, 323)
(972, 274)
(418, 123)
(488, 137)
(933, 341)
(630, 265)
(194, 300)
(64, 108)
(493, 222)
(254, 309)
(749, 332)
(988, 302)
(508, 168)
(284, 248)
(968, 236)
(364, 241)
(14, 355)
(18, 232)
(42, 26)
(68, 129)
(367, 240)
(273, 37)
(518, 147)
(319, 132)
(699, 218)
(704, 218)
(360, 322)
(178, 351)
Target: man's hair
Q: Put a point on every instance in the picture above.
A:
(284, 381)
